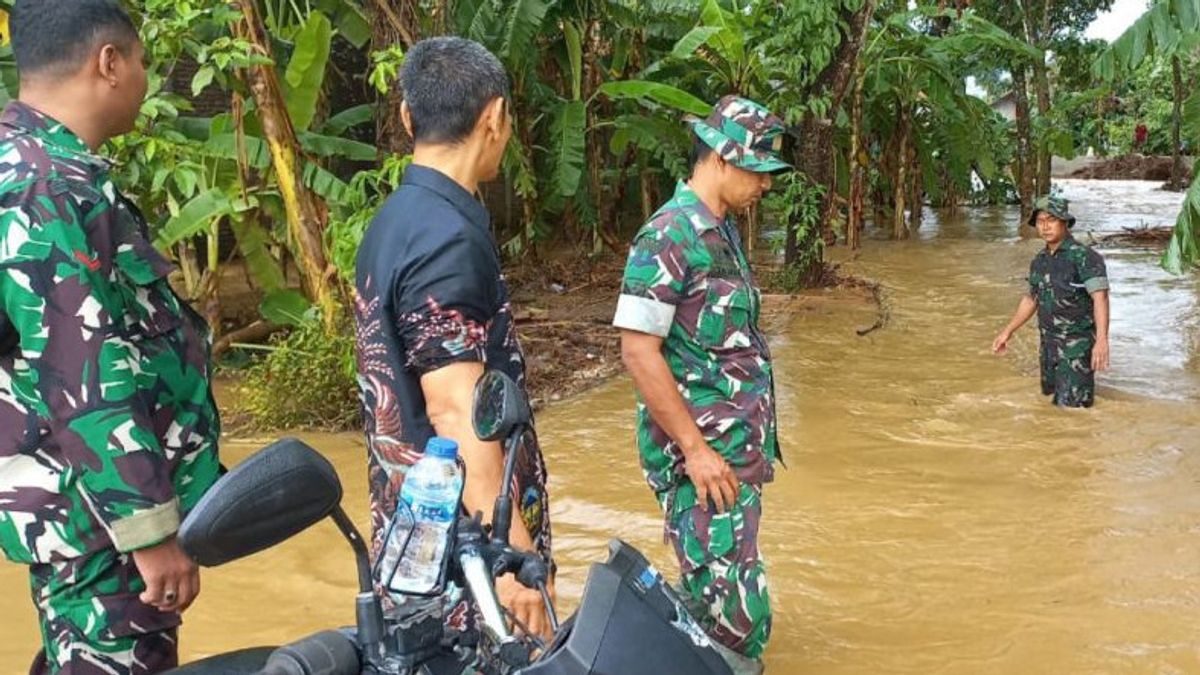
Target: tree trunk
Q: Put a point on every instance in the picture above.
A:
(1177, 179)
(916, 179)
(392, 22)
(814, 155)
(306, 214)
(1036, 33)
(1025, 169)
(854, 217)
(900, 183)
(1041, 83)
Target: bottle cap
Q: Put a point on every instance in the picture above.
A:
(442, 448)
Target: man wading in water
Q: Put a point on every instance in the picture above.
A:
(688, 315)
(1068, 290)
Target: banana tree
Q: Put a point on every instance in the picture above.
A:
(240, 169)
(1170, 29)
(917, 106)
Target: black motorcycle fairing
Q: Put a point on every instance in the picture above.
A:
(629, 623)
(271, 496)
(242, 662)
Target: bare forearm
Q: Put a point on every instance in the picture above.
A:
(1025, 311)
(449, 398)
(1100, 302)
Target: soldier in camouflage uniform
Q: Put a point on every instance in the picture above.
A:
(1068, 290)
(108, 429)
(706, 407)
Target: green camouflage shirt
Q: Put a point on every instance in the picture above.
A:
(688, 282)
(1062, 282)
(108, 429)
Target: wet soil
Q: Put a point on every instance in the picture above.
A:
(564, 308)
(1133, 167)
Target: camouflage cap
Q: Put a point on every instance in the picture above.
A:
(744, 133)
(1056, 206)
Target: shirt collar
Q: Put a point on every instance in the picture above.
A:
(445, 187)
(23, 118)
(698, 213)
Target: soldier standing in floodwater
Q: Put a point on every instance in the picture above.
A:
(1068, 290)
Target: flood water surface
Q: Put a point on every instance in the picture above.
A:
(937, 515)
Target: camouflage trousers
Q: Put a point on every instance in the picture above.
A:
(92, 621)
(1067, 373)
(721, 567)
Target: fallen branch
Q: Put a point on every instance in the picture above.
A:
(256, 332)
(885, 312)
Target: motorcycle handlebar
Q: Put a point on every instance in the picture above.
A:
(326, 653)
(479, 580)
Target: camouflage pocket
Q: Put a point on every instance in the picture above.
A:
(701, 537)
(151, 307)
(725, 319)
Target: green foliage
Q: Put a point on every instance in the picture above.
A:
(306, 69)
(306, 380)
(385, 69)
(1168, 27)
(1168, 30)
(1183, 252)
(797, 201)
(357, 205)
(657, 92)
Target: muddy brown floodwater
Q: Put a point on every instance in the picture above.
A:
(937, 516)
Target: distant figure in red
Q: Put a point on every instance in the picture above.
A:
(1139, 137)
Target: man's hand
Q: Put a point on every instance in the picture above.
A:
(1100, 355)
(1000, 345)
(713, 477)
(172, 579)
(526, 604)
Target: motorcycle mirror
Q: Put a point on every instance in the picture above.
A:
(499, 406)
(275, 494)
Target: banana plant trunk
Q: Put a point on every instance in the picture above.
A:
(1041, 84)
(306, 214)
(1025, 169)
(1177, 179)
(900, 180)
(854, 218)
(916, 180)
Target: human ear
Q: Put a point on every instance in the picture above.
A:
(406, 119)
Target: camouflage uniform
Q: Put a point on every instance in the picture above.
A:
(1062, 282)
(108, 431)
(688, 281)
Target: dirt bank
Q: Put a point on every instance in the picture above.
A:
(1132, 167)
(564, 316)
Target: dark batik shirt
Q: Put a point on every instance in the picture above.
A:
(430, 294)
(108, 431)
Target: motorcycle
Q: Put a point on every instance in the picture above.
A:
(629, 621)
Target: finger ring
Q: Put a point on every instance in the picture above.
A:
(169, 596)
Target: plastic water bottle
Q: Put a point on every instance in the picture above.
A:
(431, 490)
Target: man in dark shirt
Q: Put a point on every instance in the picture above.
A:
(1068, 290)
(108, 432)
(432, 308)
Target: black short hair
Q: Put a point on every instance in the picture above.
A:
(447, 82)
(56, 36)
(700, 151)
